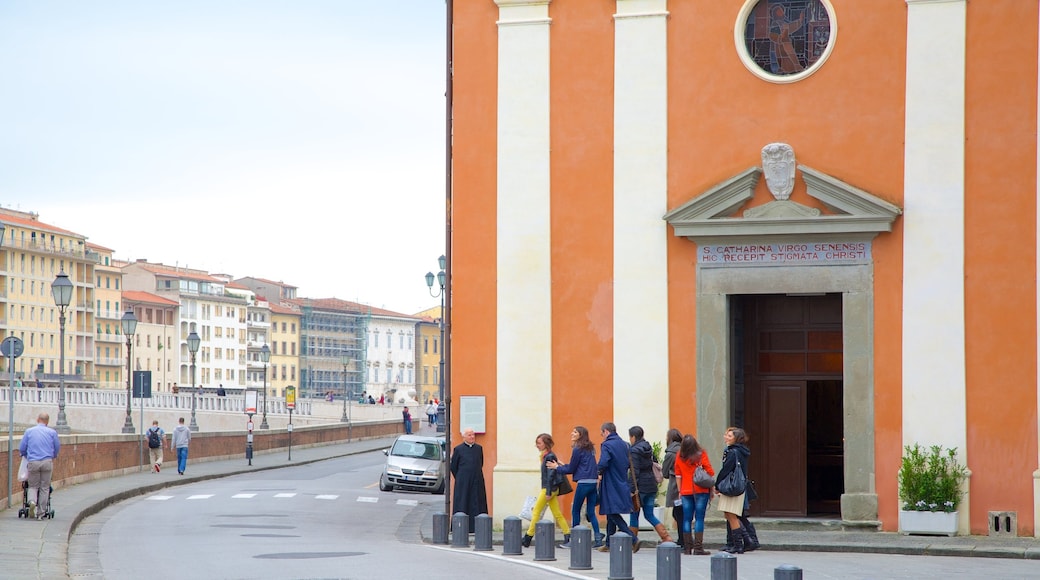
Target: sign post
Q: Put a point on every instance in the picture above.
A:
(142, 389)
(250, 409)
(290, 403)
(12, 347)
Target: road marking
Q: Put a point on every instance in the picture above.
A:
(371, 485)
(159, 497)
(326, 496)
(366, 499)
(407, 502)
(201, 496)
(243, 496)
(285, 495)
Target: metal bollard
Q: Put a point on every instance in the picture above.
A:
(460, 530)
(482, 535)
(581, 548)
(440, 528)
(787, 572)
(511, 532)
(723, 566)
(669, 565)
(545, 542)
(620, 557)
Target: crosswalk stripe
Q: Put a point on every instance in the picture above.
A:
(201, 496)
(285, 495)
(326, 496)
(407, 502)
(159, 497)
(366, 499)
(243, 495)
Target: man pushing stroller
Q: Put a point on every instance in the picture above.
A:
(40, 446)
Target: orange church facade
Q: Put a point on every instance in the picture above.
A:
(813, 218)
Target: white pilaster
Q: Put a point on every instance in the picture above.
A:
(524, 323)
(934, 408)
(640, 201)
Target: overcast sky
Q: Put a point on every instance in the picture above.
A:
(295, 140)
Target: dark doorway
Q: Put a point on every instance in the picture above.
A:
(787, 393)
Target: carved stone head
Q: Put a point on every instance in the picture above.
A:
(779, 166)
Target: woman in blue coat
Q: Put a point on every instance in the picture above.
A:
(583, 469)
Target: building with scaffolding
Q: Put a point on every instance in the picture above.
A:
(333, 353)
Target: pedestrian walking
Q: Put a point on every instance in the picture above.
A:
(179, 443)
(643, 472)
(734, 457)
(549, 492)
(615, 490)
(582, 468)
(673, 440)
(156, 437)
(467, 467)
(39, 447)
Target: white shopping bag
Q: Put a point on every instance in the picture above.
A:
(23, 470)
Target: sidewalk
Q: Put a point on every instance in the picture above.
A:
(32, 549)
(39, 549)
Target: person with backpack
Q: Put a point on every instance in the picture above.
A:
(155, 445)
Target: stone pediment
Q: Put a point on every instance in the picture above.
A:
(711, 215)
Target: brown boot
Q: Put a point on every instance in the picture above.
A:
(698, 544)
(663, 533)
(687, 543)
(636, 544)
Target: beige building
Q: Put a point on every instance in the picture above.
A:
(33, 254)
(109, 343)
(156, 337)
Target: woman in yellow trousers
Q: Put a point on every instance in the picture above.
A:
(549, 494)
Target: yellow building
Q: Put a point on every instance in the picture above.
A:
(285, 349)
(428, 355)
(109, 344)
(34, 253)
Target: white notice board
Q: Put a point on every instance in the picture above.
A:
(473, 413)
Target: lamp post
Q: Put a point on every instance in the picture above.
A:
(346, 396)
(129, 324)
(265, 356)
(61, 288)
(441, 278)
(193, 348)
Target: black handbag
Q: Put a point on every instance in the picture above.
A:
(733, 484)
(563, 487)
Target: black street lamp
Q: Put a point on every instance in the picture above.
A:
(265, 357)
(129, 324)
(441, 278)
(61, 288)
(193, 348)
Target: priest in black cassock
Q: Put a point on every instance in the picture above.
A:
(467, 467)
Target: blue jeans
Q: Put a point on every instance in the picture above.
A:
(182, 459)
(615, 523)
(585, 493)
(694, 506)
(647, 499)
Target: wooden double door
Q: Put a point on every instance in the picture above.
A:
(788, 396)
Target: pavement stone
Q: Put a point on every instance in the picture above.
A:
(40, 549)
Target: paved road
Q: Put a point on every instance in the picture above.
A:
(324, 520)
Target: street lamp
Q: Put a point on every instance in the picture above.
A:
(265, 356)
(345, 418)
(441, 278)
(129, 324)
(193, 347)
(61, 288)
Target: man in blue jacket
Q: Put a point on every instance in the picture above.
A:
(40, 446)
(615, 492)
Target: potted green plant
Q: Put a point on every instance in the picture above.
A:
(930, 491)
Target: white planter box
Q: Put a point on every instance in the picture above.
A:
(643, 524)
(928, 523)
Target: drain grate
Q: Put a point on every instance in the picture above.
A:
(1003, 524)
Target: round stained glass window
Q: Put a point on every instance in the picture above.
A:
(785, 40)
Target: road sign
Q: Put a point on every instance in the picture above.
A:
(12, 344)
(142, 385)
(250, 403)
(290, 397)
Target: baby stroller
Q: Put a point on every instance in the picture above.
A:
(44, 512)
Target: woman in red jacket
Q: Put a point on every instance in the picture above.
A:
(694, 498)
